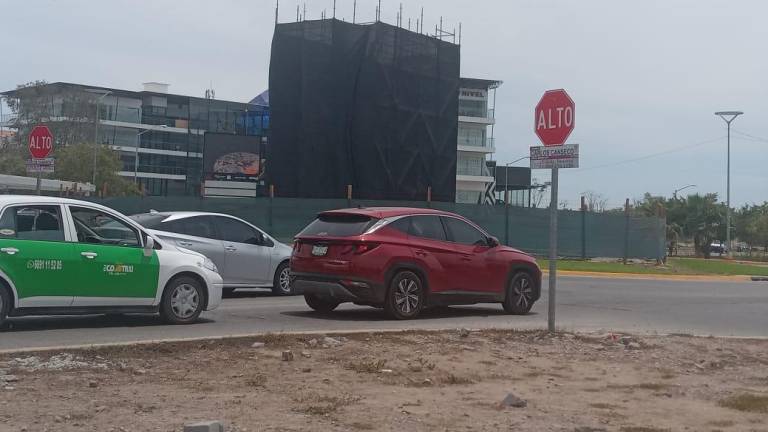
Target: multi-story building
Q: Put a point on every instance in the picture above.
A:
(159, 135)
(474, 181)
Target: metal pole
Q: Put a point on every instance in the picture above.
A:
(552, 251)
(96, 142)
(39, 181)
(728, 197)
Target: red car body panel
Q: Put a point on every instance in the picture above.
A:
(453, 273)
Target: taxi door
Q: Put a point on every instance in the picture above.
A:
(115, 270)
(35, 255)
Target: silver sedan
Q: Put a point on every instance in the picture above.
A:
(246, 256)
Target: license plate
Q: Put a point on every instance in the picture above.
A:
(319, 250)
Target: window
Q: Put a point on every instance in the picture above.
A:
(464, 233)
(338, 225)
(96, 227)
(235, 231)
(403, 225)
(32, 223)
(427, 227)
(200, 226)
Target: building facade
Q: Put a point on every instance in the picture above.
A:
(474, 180)
(160, 136)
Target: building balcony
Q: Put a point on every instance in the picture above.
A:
(479, 116)
(477, 145)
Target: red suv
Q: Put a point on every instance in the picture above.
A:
(406, 259)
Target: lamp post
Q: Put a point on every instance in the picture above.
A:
(96, 140)
(674, 194)
(728, 117)
(506, 177)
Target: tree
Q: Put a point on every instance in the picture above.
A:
(75, 163)
(538, 192)
(702, 220)
(596, 202)
(70, 113)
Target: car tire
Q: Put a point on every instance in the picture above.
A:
(182, 301)
(281, 284)
(5, 304)
(519, 296)
(321, 304)
(405, 297)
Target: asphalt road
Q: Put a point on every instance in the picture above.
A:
(584, 304)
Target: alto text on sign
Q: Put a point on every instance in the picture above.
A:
(40, 142)
(555, 117)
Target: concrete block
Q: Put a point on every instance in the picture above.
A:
(207, 426)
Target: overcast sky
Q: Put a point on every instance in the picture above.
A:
(646, 76)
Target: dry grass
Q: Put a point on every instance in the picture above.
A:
(746, 402)
(323, 405)
(642, 429)
(601, 405)
(366, 366)
(452, 379)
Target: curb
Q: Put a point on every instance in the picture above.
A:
(334, 332)
(702, 278)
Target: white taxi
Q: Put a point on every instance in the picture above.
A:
(68, 257)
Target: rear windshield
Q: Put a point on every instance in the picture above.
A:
(149, 220)
(338, 225)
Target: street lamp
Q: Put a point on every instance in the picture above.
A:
(96, 141)
(506, 177)
(728, 117)
(674, 194)
(136, 161)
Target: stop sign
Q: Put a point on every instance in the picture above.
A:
(40, 142)
(555, 117)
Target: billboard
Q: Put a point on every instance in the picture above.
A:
(228, 157)
(373, 106)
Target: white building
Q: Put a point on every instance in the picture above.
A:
(474, 181)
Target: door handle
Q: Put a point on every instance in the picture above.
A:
(185, 243)
(231, 248)
(9, 250)
(89, 255)
(420, 252)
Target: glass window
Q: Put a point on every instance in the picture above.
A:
(403, 225)
(235, 231)
(464, 233)
(96, 227)
(338, 225)
(427, 227)
(32, 223)
(200, 226)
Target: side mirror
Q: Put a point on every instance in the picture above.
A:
(493, 242)
(149, 246)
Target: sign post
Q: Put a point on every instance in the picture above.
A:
(554, 120)
(40, 147)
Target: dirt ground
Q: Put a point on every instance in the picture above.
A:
(416, 381)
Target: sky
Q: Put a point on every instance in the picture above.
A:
(646, 76)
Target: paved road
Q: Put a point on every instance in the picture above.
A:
(584, 304)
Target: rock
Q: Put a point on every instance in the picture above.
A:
(306, 354)
(140, 371)
(93, 384)
(386, 371)
(625, 340)
(258, 345)
(313, 342)
(306, 370)
(9, 378)
(207, 426)
(463, 332)
(287, 355)
(332, 342)
(633, 346)
(9, 388)
(512, 401)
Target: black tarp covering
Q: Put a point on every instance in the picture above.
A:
(374, 106)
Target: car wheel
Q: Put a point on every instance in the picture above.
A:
(519, 298)
(182, 301)
(321, 304)
(5, 304)
(281, 285)
(405, 297)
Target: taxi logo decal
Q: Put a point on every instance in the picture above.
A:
(43, 265)
(7, 232)
(117, 269)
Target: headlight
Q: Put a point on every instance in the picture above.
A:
(208, 264)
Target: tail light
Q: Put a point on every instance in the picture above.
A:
(358, 248)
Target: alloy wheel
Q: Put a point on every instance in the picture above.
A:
(407, 296)
(522, 292)
(285, 280)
